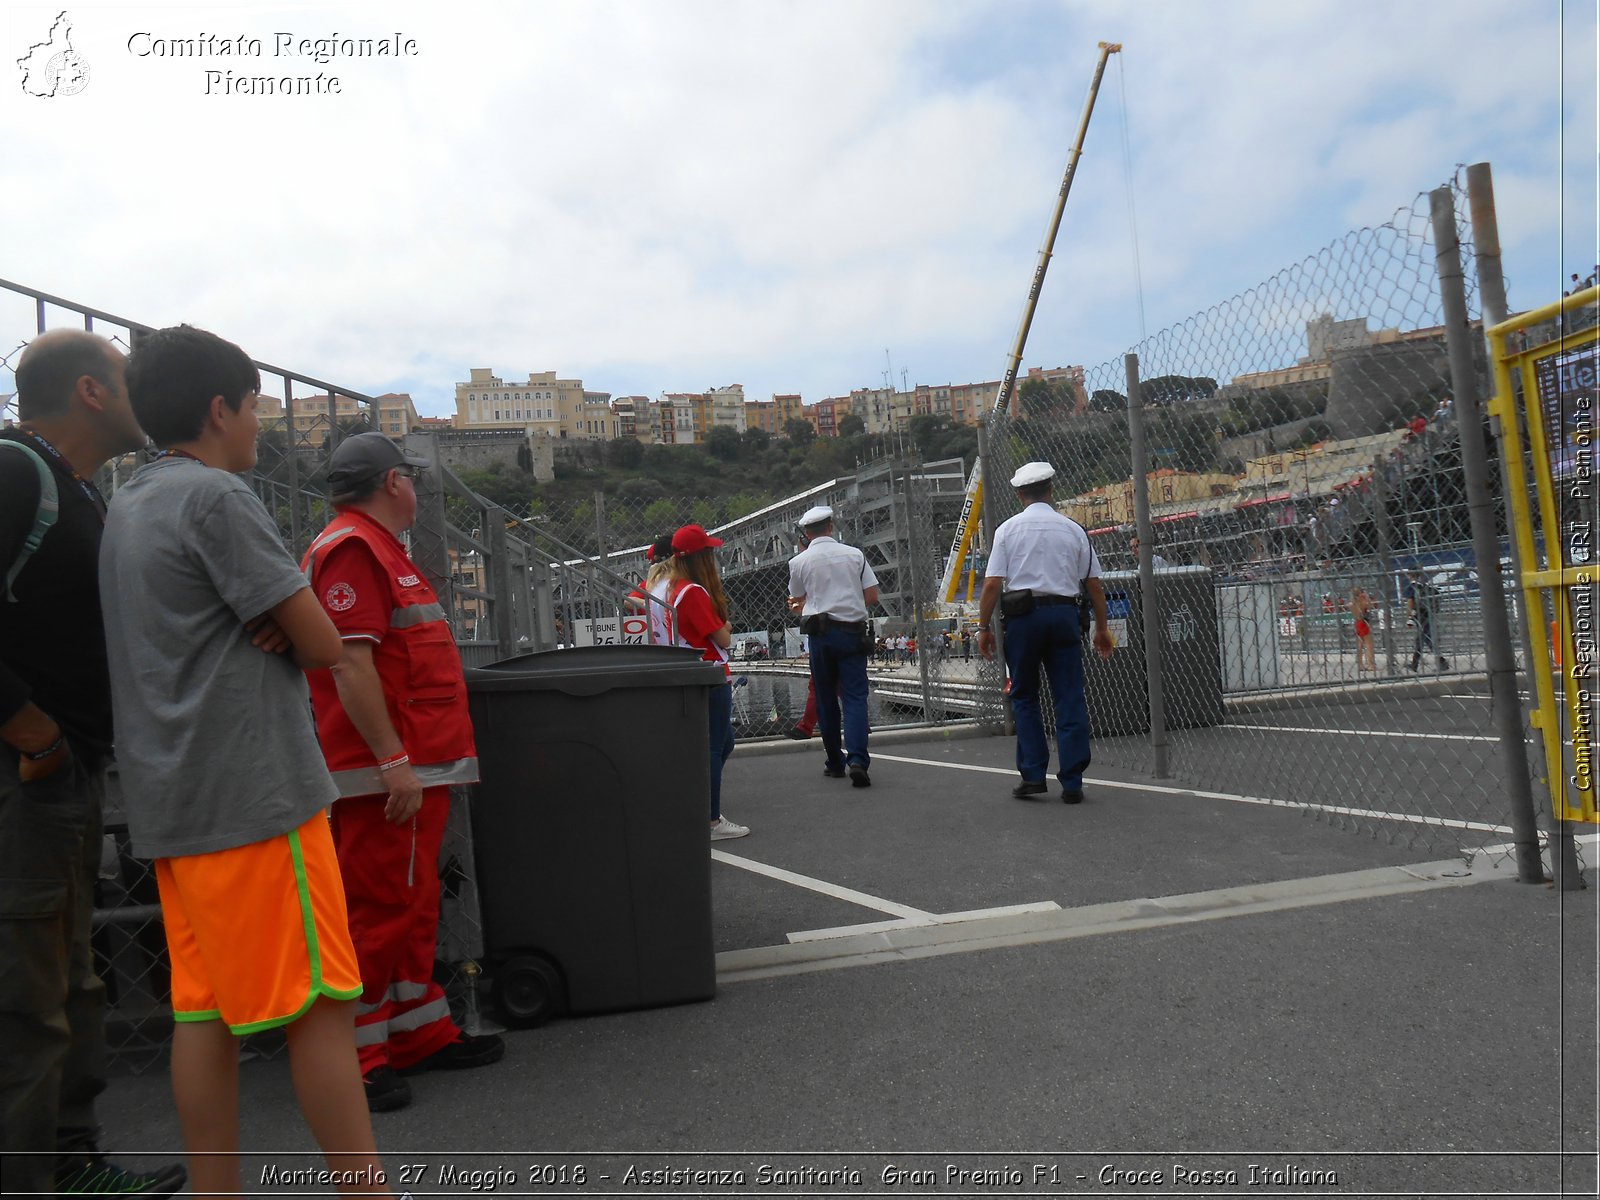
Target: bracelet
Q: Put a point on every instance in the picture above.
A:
(41, 755)
(399, 760)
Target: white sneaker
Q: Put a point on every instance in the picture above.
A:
(724, 829)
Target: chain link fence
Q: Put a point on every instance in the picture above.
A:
(1317, 627)
(1318, 632)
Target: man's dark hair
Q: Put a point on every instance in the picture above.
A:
(50, 370)
(817, 528)
(1035, 492)
(172, 375)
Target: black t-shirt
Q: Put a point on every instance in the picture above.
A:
(52, 642)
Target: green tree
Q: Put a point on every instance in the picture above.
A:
(624, 453)
(799, 432)
(756, 439)
(1106, 400)
(851, 424)
(722, 443)
(1045, 398)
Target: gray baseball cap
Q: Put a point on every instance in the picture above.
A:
(359, 458)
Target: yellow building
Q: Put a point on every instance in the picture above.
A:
(541, 404)
(394, 413)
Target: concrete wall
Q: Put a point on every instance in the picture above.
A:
(1372, 384)
(488, 450)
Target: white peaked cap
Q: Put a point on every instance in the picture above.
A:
(1032, 473)
(816, 516)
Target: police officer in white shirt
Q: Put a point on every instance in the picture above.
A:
(1040, 564)
(831, 586)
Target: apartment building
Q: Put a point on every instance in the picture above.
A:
(772, 415)
(542, 404)
(395, 414)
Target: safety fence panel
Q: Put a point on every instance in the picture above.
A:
(1316, 594)
(1545, 398)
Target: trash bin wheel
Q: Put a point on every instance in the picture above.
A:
(528, 990)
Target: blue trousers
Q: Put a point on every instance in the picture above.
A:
(721, 729)
(1049, 638)
(839, 671)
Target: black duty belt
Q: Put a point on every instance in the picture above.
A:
(1038, 599)
(818, 623)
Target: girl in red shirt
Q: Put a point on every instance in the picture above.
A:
(702, 619)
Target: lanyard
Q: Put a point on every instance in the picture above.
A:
(176, 453)
(86, 486)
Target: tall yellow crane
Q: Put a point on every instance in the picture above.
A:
(966, 528)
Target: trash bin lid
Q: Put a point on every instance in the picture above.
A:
(591, 670)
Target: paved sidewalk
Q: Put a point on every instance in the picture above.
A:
(1192, 984)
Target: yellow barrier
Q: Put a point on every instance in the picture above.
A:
(1550, 385)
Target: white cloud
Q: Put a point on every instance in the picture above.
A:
(660, 196)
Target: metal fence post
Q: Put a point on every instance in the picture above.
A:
(1492, 292)
(986, 519)
(1384, 531)
(1498, 655)
(1148, 603)
(499, 579)
(429, 541)
(912, 564)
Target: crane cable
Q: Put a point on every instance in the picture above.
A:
(1127, 179)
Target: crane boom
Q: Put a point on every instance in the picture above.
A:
(967, 526)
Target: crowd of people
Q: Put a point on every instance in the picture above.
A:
(285, 735)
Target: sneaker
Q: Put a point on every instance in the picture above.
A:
(90, 1174)
(797, 734)
(859, 776)
(833, 772)
(724, 829)
(465, 1052)
(386, 1091)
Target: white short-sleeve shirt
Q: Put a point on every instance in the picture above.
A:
(832, 577)
(1042, 550)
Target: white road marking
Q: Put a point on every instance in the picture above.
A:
(1392, 733)
(1267, 801)
(978, 914)
(849, 895)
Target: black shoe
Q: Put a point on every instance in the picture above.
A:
(386, 1091)
(90, 1174)
(833, 772)
(466, 1051)
(859, 776)
(1027, 788)
(1072, 795)
(1444, 664)
(797, 734)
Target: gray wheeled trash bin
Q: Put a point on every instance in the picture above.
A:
(1191, 658)
(589, 828)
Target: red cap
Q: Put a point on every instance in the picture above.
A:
(692, 539)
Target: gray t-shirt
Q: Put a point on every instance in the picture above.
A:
(215, 742)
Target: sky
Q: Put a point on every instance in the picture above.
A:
(672, 195)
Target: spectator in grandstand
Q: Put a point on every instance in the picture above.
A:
(55, 720)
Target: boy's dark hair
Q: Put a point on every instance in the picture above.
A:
(172, 375)
(48, 372)
(1035, 492)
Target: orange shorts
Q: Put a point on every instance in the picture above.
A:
(258, 932)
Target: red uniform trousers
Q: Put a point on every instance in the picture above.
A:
(391, 886)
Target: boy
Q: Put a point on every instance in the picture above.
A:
(224, 781)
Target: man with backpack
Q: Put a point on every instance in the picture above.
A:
(55, 723)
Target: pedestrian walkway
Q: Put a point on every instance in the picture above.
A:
(932, 976)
